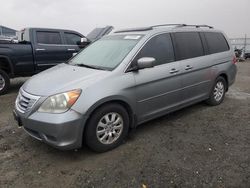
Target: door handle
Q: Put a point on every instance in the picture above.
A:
(40, 49)
(173, 71)
(188, 67)
(71, 49)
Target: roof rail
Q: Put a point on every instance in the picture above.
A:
(161, 25)
(134, 29)
(183, 25)
(198, 26)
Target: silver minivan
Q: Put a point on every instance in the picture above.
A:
(123, 80)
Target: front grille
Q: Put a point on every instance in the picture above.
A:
(25, 101)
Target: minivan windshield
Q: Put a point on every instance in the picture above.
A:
(106, 53)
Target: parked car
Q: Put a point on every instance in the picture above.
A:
(124, 80)
(247, 53)
(4, 40)
(38, 49)
(238, 52)
(98, 33)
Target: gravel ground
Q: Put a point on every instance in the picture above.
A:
(199, 146)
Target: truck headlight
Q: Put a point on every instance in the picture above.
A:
(60, 103)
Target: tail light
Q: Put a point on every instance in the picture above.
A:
(234, 60)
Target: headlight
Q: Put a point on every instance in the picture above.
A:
(60, 103)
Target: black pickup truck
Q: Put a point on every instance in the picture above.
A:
(38, 49)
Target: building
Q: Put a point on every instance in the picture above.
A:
(6, 32)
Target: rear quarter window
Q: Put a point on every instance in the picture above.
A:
(216, 42)
(187, 45)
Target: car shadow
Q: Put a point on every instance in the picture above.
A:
(170, 117)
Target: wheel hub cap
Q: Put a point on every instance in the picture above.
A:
(2, 82)
(109, 128)
(218, 91)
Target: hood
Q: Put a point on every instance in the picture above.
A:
(62, 78)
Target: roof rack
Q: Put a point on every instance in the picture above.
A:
(161, 25)
(198, 26)
(134, 29)
(183, 25)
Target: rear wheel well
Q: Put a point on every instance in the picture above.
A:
(4, 65)
(223, 75)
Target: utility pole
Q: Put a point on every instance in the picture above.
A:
(244, 47)
(245, 42)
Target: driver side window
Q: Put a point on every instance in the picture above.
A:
(159, 47)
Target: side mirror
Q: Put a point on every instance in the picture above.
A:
(145, 62)
(83, 43)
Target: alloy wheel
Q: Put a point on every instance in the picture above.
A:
(2, 82)
(109, 128)
(218, 91)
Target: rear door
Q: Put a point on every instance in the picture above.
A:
(196, 68)
(157, 88)
(49, 49)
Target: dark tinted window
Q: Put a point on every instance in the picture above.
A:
(188, 45)
(72, 38)
(48, 37)
(216, 42)
(8, 32)
(160, 48)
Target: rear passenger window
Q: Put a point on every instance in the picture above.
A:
(45, 37)
(188, 45)
(159, 47)
(216, 42)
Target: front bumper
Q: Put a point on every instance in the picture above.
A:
(63, 131)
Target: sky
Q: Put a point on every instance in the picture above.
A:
(231, 16)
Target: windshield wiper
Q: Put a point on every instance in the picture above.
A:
(89, 66)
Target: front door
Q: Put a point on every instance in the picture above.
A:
(158, 89)
(49, 49)
(71, 40)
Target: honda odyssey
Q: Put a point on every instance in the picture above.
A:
(123, 80)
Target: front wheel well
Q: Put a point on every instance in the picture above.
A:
(5, 66)
(126, 106)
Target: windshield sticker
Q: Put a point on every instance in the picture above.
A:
(132, 37)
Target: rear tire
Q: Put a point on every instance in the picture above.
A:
(107, 128)
(4, 82)
(217, 94)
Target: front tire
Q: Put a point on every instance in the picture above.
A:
(4, 82)
(217, 94)
(107, 128)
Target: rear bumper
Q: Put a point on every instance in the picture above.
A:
(62, 131)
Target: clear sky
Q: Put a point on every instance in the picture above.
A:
(231, 16)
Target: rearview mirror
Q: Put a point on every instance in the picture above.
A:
(145, 62)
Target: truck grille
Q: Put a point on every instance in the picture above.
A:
(25, 101)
